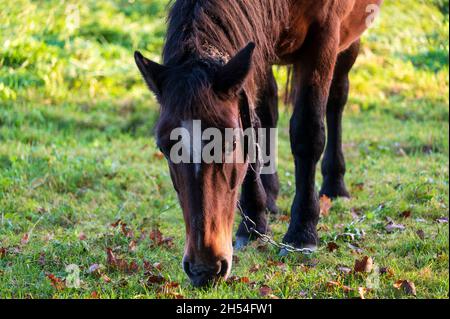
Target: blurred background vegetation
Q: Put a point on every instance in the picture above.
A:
(77, 152)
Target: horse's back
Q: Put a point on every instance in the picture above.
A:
(352, 17)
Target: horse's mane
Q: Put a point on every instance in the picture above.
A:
(218, 29)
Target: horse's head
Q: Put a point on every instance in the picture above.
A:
(199, 100)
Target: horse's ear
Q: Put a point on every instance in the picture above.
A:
(151, 71)
(231, 77)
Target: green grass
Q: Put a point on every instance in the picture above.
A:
(77, 154)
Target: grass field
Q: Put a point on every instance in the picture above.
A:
(77, 154)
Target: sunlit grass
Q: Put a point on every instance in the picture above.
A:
(77, 153)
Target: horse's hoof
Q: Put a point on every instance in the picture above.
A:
(335, 191)
(241, 243)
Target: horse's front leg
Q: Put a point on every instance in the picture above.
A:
(313, 75)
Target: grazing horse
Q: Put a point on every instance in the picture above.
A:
(217, 68)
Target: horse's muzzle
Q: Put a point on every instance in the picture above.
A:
(202, 274)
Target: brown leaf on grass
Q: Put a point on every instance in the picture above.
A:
(133, 267)
(323, 227)
(355, 248)
(169, 290)
(119, 264)
(358, 186)
(116, 223)
(126, 231)
(255, 268)
(156, 236)
(333, 284)
(158, 239)
(56, 282)
(389, 272)
(362, 292)
(278, 264)
(150, 268)
(325, 205)
(236, 279)
(97, 270)
(265, 291)
(332, 246)
(406, 214)
(82, 236)
(284, 218)
(392, 227)
(106, 278)
(408, 287)
(364, 265)
(347, 289)
(25, 239)
(95, 295)
(124, 228)
(2, 252)
(421, 234)
(159, 155)
(132, 246)
(344, 270)
(48, 237)
(155, 279)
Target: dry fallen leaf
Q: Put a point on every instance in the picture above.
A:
(347, 289)
(255, 268)
(132, 246)
(25, 239)
(279, 264)
(117, 263)
(116, 223)
(94, 295)
(159, 240)
(344, 270)
(56, 282)
(332, 246)
(155, 279)
(236, 279)
(406, 214)
(364, 265)
(392, 227)
(389, 272)
(159, 155)
(82, 236)
(408, 287)
(265, 291)
(2, 252)
(421, 234)
(150, 268)
(362, 292)
(325, 205)
(333, 284)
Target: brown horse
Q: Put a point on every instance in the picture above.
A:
(217, 68)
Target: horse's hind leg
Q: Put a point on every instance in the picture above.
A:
(267, 112)
(333, 164)
(260, 191)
